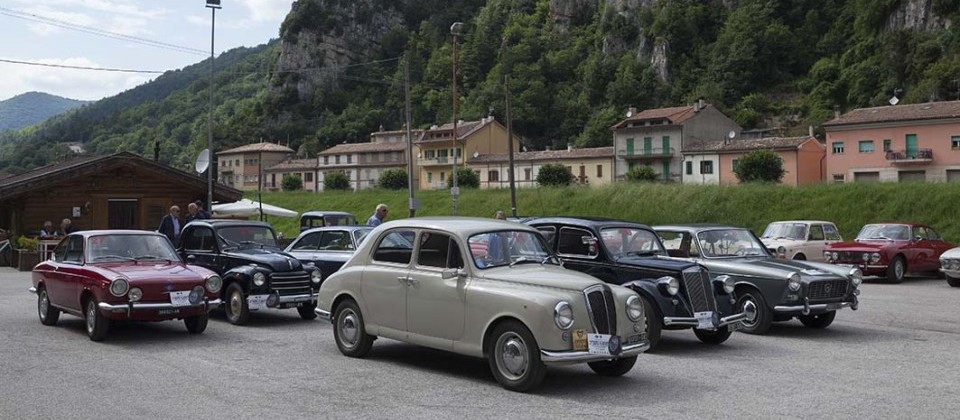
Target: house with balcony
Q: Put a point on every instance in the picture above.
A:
(364, 162)
(435, 148)
(240, 167)
(591, 166)
(915, 142)
(305, 169)
(657, 137)
(713, 161)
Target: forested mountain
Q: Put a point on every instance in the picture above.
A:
(33, 107)
(573, 67)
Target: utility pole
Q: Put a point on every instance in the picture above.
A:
(455, 191)
(513, 185)
(213, 5)
(413, 205)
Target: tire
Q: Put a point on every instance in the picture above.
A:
(514, 357)
(654, 321)
(235, 307)
(49, 315)
(800, 257)
(818, 321)
(306, 311)
(717, 336)
(613, 368)
(764, 317)
(953, 281)
(896, 270)
(98, 326)
(196, 324)
(349, 331)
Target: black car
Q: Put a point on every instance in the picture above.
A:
(256, 273)
(327, 248)
(679, 293)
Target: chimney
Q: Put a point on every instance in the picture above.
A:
(696, 106)
(810, 130)
(569, 146)
(700, 101)
(156, 150)
(836, 111)
(631, 111)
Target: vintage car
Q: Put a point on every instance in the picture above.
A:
(676, 294)
(111, 275)
(775, 289)
(327, 248)
(950, 266)
(891, 250)
(256, 273)
(315, 219)
(800, 239)
(486, 288)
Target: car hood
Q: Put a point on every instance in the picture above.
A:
(661, 262)
(271, 257)
(153, 272)
(951, 253)
(784, 242)
(776, 268)
(541, 275)
(864, 246)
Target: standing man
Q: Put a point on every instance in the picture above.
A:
(378, 216)
(201, 212)
(192, 213)
(170, 225)
(66, 227)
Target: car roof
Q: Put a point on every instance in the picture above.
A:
(802, 221)
(462, 226)
(229, 222)
(696, 227)
(89, 233)
(321, 213)
(351, 228)
(594, 222)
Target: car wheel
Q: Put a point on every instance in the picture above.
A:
(236, 308)
(800, 257)
(97, 325)
(717, 336)
(306, 311)
(514, 357)
(349, 332)
(896, 270)
(196, 324)
(617, 367)
(48, 314)
(953, 281)
(654, 329)
(818, 321)
(763, 317)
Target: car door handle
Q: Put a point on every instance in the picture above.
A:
(413, 282)
(404, 280)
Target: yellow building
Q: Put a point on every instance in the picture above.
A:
(241, 167)
(435, 148)
(593, 166)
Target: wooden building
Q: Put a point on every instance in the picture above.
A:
(119, 191)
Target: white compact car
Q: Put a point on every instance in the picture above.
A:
(800, 239)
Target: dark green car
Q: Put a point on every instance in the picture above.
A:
(777, 289)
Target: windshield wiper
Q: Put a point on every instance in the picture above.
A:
(150, 257)
(519, 259)
(113, 257)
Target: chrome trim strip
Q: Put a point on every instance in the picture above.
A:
(692, 322)
(561, 357)
(322, 314)
(136, 306)
(809, 308)
(311, 297)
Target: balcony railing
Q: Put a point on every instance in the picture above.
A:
(651, 153)
(436, 161)
(907, 157)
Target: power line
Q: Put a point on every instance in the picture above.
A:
(78, 67)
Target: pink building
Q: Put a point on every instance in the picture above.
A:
(917, 142)
(712, 162)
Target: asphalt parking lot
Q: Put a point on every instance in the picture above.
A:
(896, 357)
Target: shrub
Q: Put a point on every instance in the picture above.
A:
(28, 243)
(759, 166)
(393, 179)
(641, 173)
(336, 181)
(554, 175)
(291, 183)
(466, 178)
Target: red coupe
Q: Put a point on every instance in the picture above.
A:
(890, 250)
(110, 275)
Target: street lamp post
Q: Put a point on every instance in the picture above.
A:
(455, 191)
(213, 5)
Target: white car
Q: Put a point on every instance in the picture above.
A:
(950, 266)
(800, 239)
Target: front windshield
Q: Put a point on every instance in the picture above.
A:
(797, 231)
(507, 247)
(626, 241)
(729, 243)
(103, 248)
(885, 232)
(247, 235)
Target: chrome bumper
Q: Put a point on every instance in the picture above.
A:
(564, 357)
(322, 314)
(692, 322)
(311, 297)
(130, 307)
(807, 308)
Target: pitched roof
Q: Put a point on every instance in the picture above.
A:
(675, 115)
(563, 154)
(910, 112)
(743, 145)
(293, 164)
(464, 129)
(346, 148)
(257, 147)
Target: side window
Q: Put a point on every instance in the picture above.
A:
(816, 233)
(60, 252)
(549, 234)
(919, 233)
(309, 242)
(74, 252)
(573, 241)
(335, 240)
(678, 244)
(199, 239)
(394, 247)
(434, 250)
(830, 233)
(932, 235)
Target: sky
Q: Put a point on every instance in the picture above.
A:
(142, 35)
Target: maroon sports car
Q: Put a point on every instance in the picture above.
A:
(890, 250)
(108, 275)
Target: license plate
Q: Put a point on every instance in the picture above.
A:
(833, 306)
(579, 339)
(168, 311)
(257, 302)
(180, 298)
(704, 320)
(599, 344)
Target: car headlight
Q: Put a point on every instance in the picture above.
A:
(213, 283)
(794, 280)
(259, 278)
(866, 256)
(826, 256)
(856, 276)
(119, 286)
(316, 276)
(725, 282)
(782, 251)
(668, 284)
(135, 294)
(874, 258)
(834, 256)
(563, 315)
(634, 308)
(196, 294)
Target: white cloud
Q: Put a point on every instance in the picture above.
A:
(110, 6)
(70, 83)
(267, 10)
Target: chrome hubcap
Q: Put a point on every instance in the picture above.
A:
(91, 316)
(44, 304)
(898, 269)
(236, 303)
(349, 328)
(749, 307)
(512, 356)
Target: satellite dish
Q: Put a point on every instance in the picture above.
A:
(203, 161)
(894, 100)
(732, 134)
(629, 114)
(476, 154)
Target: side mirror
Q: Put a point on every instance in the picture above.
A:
(191, 259)
(918, 239)
(453, 273)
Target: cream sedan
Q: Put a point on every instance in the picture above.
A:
(485, 288)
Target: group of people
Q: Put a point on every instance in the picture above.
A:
(48, 231)
(171, 224)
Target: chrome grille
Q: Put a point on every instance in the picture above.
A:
(696, 281)
(851, 257)
(827, 289)
(602, 309)
(292, 283)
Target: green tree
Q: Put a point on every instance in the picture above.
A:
(641, 173)
(393, 179)
(554, 175)
(759, 166)
(336, 181)
(466, 178)
(291, 183)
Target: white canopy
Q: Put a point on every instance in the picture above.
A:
(247, 208)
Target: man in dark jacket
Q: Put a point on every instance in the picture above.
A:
(170, 225)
